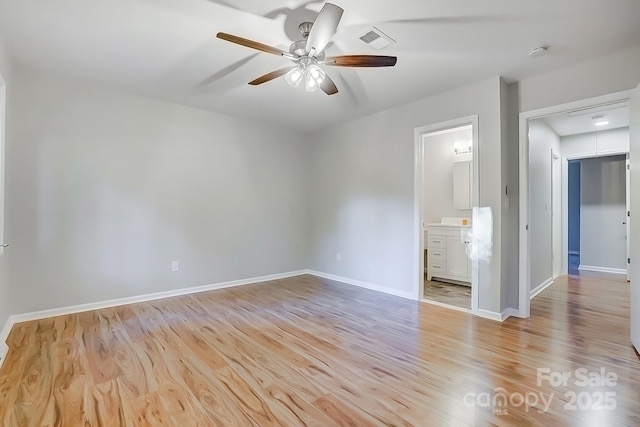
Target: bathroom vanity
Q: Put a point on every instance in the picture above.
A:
(447, 253)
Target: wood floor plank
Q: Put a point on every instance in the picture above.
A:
(310, 352)
(34, 401)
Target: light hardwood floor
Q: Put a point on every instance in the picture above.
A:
(447, 293)
(306, 351)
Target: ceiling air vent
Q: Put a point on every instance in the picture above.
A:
(376, 39)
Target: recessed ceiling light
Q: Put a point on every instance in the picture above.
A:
(600, 120)
(539, 51)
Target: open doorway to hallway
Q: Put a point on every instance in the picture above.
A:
(596, 217)
(577, 193)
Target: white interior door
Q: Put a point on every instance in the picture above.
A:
(634, 230)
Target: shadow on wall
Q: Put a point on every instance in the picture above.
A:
(292, 17)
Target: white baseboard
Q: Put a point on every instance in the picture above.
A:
(491, 315)
(541, 287)
(602, 269)
(61, 311)
(4, 349)
(451, 307)
(390, 291)
(510, 312)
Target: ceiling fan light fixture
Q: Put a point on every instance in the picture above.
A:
(294, 76)
(314, 76)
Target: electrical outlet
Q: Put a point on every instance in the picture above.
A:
(338, 256)
(175, 266)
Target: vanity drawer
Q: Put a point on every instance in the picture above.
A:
(437, 268)
(438, 256)
(437, 241)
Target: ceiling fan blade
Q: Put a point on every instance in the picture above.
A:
(323, 28)
(252, 44)
(272, 75)
(361, 61)
(328, 86)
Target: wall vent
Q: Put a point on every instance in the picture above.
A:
(376, 39)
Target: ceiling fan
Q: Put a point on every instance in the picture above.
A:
(308, 54)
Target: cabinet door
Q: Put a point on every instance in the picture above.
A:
(457, 259)
(462, 185)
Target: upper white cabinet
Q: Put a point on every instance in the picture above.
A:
(462, 185)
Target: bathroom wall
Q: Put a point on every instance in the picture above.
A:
(439, 157)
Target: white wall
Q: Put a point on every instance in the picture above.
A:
(603, 212)
(104, 190)
(363, 186)
(542, 140)
(438, 175)
(5, 303)
(586, 145)
(608, 74)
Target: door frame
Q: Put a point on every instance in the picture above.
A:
(418, 200)
(627, 177)
(524, 241)
(556, 213)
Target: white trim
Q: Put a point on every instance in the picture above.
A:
(491, 315)
(370, 286)
(510, 312)
(61, 311)
(486, 314)
(418, 227)
(4, 349)
(541, 287)
(592, 155)
(602, 269)
(524, 247)
(452, 307)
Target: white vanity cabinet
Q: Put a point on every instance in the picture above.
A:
(447, 253)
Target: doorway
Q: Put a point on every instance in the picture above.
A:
(597, 232)
(573, 217)
(446, 195)
(553, 130)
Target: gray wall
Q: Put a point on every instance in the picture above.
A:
(363, 187)
(509, 122)
(602, 212)
(5, 302)
(573, 206)
(104, 190)
(634, 244)
(69, 145)
(542, 141)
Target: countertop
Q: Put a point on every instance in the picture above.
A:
(438, 224)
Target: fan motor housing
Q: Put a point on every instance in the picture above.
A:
(299, 49)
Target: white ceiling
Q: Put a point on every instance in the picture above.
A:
(167, 49)
(584, 120)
